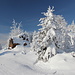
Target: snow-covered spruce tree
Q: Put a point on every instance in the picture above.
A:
(15, 29)
(30, 36)
(34, 41)
(46, 41)
(43, 40)
(37, 39)
(60, 30)
(71, 35)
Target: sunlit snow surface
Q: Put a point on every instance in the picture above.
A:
(20, 61)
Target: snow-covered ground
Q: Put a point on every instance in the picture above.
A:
(20, 61)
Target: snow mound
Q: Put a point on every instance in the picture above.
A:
(20, 61)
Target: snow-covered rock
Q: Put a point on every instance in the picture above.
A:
(21, 39)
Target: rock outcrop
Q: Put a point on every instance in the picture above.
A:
(12, 44)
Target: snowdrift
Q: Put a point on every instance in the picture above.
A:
(20, 61)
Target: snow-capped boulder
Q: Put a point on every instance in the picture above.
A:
(21, 39)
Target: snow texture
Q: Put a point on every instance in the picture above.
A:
(14, 62)
(52, 50)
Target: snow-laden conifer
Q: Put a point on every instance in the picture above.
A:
(51, 36)
(71, 35)
(15, 29)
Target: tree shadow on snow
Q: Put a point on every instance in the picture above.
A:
(6, 52)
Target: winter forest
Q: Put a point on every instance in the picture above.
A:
(54, 40)
(53, 37)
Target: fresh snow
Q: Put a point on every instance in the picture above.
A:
(50, 51)
(20, 61)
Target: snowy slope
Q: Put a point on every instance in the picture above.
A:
(20, 61)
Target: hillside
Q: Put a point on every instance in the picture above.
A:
(20, 61)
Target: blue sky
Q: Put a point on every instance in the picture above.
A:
(29, 12)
